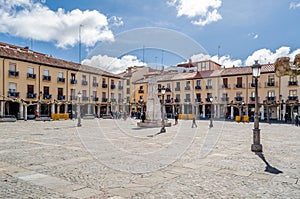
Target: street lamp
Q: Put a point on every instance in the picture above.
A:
(256, 146)
(163, 129)
(78, 109)
(211, 120)
(142, 107)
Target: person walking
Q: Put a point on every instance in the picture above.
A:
(194, 123)
(176, 118)
(297, 120)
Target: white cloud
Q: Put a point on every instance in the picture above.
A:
(30, 19)
(294, 5)
(225, 60)
(266, 55)
(111, 64)
(253, 35)
(202, 12)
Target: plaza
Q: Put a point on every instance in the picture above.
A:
(106, 158)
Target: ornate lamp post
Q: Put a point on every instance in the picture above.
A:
(78, 109)
(163, 129)
(256, 146)
(211, 112)
(142, 107)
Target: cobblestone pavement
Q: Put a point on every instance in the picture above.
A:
(116, 159)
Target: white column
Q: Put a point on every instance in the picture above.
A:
(52, 108)
(94, 111)
(283, 111)
(182, 109)
(203, 110)
(38, 108)
(58, 108)
(66, 108)
(278, 112)
(247, 110)
(231, 112)
(197, 110)
(98, 110)
(218, 110)
(2, 108)
(21, 111)
(262, 111)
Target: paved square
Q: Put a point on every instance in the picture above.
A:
(116, 159)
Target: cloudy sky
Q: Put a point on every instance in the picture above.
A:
(238, 31)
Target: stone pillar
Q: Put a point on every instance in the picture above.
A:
(283, 111)
(1, 108)
(89, 109)
(25, 113)
(173, 109)
(52, 108)
(197, 110)
(247, 110)
(21, 111)
(94, 109)
(218, 110)
(203, 110)
(262, 111)
(98, 111)
(58, 108)
(66, 108)
(231, 112)
(38, 108)
(278, 113)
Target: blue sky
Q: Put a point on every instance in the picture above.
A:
(241, 31)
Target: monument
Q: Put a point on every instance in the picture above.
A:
(153, 113)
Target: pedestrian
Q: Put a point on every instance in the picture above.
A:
(143, 116)
(285, 117)
(297, 120)
(176, 118)
(194, 123)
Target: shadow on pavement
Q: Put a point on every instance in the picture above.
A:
(268, 168)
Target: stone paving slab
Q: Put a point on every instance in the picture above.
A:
(116, 159)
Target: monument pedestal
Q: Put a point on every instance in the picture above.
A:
(153, 124)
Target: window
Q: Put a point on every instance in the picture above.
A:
(293, 78)
(112, 82)
(198, 82)
(46, 72)
(73, 76)
(168, 85)
(72, 92)
(12, 67)
(177, 98)
(224, 94)
(94, 94)
(187, 98)
(209, 95)
(225, 81)
(60, 91)
(128, 82)
(271, 93)
(104, 94)
(271, 79)
(188, 83)
(209, 82)
(12, 87)
(83, 93)
(292, 93)
(30, 89)
(239, 82)
(127, 91)
(178, 85)
(252, 94)
(141, 87)
(83, 77)
(198, 97)
(30, 70)
(239, 94)
(60, 75)
(112, 96)
(103, 80)
(203, 65)
(46, 90)
(94, 80)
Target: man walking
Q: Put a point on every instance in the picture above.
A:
(194, 123)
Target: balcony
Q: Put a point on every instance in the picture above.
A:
(120, 87)
(225, 86)
(104, 99)
(187, 100)
(113, 86)
(177, 100)
(225, 99)
(13, 73)
(61, 79)
(61, 97)
(272, 98)
(84, 83)
(73, 81)
(293, 83)
(252, 99)
(47, 96)
(198, 87)
(31, 95)
(177, 89)
(73, 97)
(95, 84)
(168, 89)
(31, 76)
(252, 85)
(292, 98)
(113, 100)
(168, 100)
(85, 98)
(271, 84)
(198, 100)
(46, 78)
(209, 87)
(141, 91)
(187, 88)
(95, 99)
(13, 94)
(238, 99)
(239, 85)
(104, 85)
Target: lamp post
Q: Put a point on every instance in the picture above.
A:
(256, 146)
(78, 110)
(142, 107)
(163, 129)
(211, 112)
